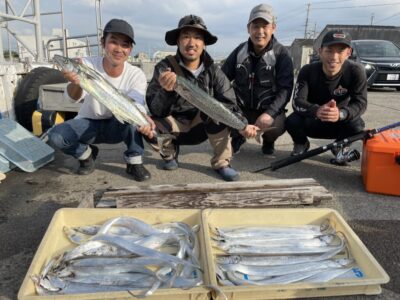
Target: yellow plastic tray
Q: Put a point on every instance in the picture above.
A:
(369, 285)
(55, 242)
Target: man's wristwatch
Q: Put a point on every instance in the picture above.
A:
(342, 114)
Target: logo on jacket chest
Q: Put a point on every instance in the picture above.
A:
(340, 91)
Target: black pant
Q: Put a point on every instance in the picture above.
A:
(300, 128)
(271, 135)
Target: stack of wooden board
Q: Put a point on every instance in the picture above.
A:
(263, 193)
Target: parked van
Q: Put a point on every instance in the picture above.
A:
(381, 60)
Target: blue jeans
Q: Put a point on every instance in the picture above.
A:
(73, 136)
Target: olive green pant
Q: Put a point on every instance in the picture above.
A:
(194, 132)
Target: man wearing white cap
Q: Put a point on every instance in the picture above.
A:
(262, 73)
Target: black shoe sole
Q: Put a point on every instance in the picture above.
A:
(268, 151)
(84, 172)
(140, 179)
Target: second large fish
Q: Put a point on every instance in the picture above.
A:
(123, 108)
(207, 104)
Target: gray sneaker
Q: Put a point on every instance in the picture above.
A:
(170, 165)
(299, 149)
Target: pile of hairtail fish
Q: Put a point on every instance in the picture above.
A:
(124, 254)
(280, 255)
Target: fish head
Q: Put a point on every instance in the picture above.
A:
(66, 63)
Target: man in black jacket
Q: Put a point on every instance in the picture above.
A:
(173, 114)
(262, 73)
(330, 95)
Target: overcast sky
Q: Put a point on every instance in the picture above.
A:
(225, 18)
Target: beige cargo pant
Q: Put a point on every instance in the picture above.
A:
(194, 132)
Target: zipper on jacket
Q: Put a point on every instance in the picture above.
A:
(251, 87)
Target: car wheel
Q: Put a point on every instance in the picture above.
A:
(28, 92)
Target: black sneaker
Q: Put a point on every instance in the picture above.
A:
(138, 172)
(87, 166)
(236, 142)
(268, 147)
(299, 149)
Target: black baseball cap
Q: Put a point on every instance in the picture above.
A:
(336, 37)
(190, 21)
(119, 26)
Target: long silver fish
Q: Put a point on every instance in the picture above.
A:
(211, 107)
(207, 104)
(141, 257)
(122, 107)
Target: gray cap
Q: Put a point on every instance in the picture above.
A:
(120, 26)
(263, 11)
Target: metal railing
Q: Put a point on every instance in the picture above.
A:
(87, 44)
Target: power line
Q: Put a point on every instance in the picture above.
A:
(288, 15)
(380, 21)
(325, 2)
(358, 6)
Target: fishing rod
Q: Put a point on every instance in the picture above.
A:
(277, 164)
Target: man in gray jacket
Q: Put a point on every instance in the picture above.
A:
(173, 114)
(262, 73)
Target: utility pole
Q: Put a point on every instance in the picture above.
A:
(306, 26)
(38, 30)
(315, 30)
(372, 18)
(99, 29)
(64, 31)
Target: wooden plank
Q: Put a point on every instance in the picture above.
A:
(241, 194)
(214, 200)
(222, 186)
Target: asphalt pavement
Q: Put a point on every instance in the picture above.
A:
(29, 200)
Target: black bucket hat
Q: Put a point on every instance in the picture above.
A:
(119, 26)
(190, 21)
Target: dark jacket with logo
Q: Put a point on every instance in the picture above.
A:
(348, 88)
(262, 83)
(162, 103)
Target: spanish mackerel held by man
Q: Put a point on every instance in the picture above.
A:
(123, 108)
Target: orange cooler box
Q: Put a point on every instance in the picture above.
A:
(380, 166)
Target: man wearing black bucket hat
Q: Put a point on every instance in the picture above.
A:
(173, 114)
(329, 97)
(95, 123)
(262, 74)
